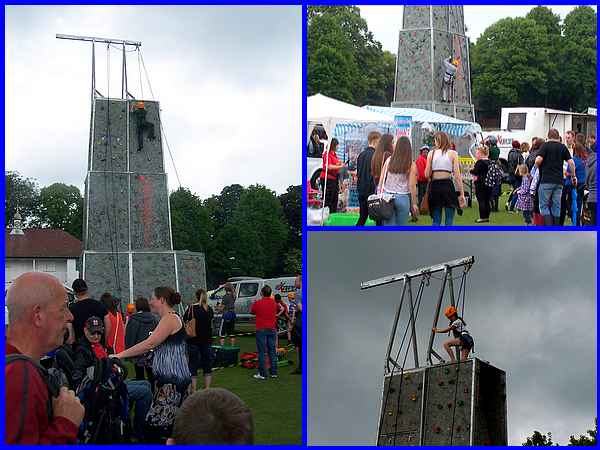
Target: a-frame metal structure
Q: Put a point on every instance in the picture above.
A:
(407, 291)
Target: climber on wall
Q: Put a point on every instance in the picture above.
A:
(139, 112)
(461, 338)
(450, 67)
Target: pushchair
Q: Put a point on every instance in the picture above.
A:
(103, 393)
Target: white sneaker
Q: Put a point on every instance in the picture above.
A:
(274, 376)
(258, 376)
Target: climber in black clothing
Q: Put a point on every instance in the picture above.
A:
(139, 112)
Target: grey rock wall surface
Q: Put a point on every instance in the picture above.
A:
(440, 400)
(109, 151)
(191, 270)
(106, 272)
(127, 231)
(151, 270)
(150, 212)
(108, 215)
(419, 74)
(151, 158)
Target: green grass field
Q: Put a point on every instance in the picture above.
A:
(469, 216)
(275, 403)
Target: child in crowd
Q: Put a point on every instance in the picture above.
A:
(524, 199)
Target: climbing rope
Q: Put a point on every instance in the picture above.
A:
(164, 134)
(114, 244)
(394, 368)
(140, 70)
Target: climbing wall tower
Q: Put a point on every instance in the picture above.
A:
(128, 247)
(429, 35)
(444, 404)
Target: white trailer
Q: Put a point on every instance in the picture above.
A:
(523, 124)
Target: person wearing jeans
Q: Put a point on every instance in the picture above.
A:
(265, 311)
(140, 394)
(399, 179)
(401, 210)
(550, 162)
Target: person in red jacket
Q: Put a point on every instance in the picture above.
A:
(38, 317)
(265, 311)
(332, 165)
(422, 180)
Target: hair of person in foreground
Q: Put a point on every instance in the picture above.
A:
(213, 416)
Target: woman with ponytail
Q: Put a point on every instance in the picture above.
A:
(170, 368)
(199, 346)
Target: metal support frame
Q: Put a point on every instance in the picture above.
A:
(108, 41)
(406, 279)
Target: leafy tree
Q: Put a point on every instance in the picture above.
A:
(539, 440)
(190, 223)
(256, 235)
(61, 207)
(344, 59)
(578, 62)
(550, 22)
(584, 440)
(291, 203)
(292, 263)
(23, 193)
(221, 206)
(510, 65)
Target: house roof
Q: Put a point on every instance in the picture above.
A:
(42, 243)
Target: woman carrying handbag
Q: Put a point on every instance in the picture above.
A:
(399, 179)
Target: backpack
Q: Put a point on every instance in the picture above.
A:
(190, 324)
(53, 379)
(494, 175)
(514, 159)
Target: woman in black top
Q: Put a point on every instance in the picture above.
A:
(482, 192)
(199, 347)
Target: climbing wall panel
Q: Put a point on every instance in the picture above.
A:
(415, 17)
(448, 407)
(192, 274)
(109, 145)
(108, 214)
(150, 158)
(107, 272)
(151, 270)
(413, 77)
(150, 213)
(453, 404)
(419, 73)
(401, 406)
(490, 425)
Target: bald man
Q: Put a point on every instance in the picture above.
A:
(38, 317)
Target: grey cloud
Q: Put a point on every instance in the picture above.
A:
(228, 79)
(531, 307)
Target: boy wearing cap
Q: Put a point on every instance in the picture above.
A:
(89, 348)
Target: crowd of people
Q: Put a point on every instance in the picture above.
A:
(548, 187)
(432, 183)
(65, 376)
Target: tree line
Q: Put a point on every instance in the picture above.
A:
(535, 60)
(538, 439)
(242, 231)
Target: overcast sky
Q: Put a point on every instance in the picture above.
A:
(228, 78)
(531, 308)
(386, 21)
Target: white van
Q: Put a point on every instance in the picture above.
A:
(247, 290)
